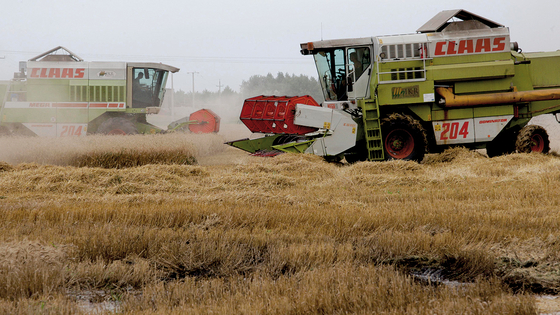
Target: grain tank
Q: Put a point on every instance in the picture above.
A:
(459, 80)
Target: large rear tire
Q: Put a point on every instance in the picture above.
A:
(532, 138)
(404, 138)
(117, 126)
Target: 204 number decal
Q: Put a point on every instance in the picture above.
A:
(454, 131)
(451, 131)
(69, 130)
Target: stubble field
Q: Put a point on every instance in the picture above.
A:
(104, 224)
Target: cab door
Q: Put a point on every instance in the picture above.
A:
(358, 71)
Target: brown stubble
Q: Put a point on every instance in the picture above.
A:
(294, 234)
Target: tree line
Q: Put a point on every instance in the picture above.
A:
(281, 84)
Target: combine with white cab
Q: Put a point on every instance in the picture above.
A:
(458, 81)
(58, 94)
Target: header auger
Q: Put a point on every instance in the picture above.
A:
(458, 80)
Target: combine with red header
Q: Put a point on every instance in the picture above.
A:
(458, 80)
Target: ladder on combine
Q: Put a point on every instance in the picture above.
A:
(372, 126)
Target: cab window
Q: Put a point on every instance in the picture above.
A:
(332, 73)
(147, 87)
(359, 61)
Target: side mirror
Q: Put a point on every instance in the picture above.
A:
(146, 74)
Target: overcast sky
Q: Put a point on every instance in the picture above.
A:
(229, 41)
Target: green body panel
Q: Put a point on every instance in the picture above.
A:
(543, 107)
(483, 86)
(465, 59)
(537, 71)
(522, 79)
(545, 67)
(518, 123)
(488, 111)
(48, 90)
(451, 114)
(470, 71)
(423, 111)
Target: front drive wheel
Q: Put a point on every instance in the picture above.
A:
(532, 138)
(403, 138)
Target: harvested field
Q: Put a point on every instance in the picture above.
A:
(458, 233)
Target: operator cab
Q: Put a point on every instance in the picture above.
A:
(344, 67)
(147, 84)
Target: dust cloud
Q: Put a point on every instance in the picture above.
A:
(228, 108)
(65, 151)
(207, 148)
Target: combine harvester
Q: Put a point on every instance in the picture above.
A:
(57, 94)
(458, 81)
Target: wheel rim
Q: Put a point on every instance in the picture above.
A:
(399, 144)
(117, 132)
(537, 143)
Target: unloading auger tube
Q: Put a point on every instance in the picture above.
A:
(450, 100)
